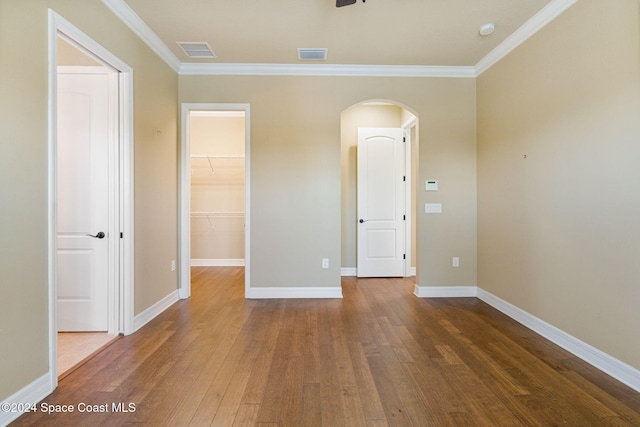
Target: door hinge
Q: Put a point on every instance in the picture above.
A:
(404, 139)
(121, 234)
(404, 178)
(404, 217)
(404, 256)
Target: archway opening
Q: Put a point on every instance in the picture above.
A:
(375, 114)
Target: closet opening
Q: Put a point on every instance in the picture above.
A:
(214, 199)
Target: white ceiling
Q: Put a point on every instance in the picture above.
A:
(388, 33)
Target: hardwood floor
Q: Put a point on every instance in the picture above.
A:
(378, 357)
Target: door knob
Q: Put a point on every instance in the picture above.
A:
(100, 235)
(362, 221)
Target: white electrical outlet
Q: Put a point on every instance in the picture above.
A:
(456, 261)
(173, 265)
(325, 262)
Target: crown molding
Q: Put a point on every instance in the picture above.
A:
(547, 14)
(128, 16)
(190, 68)
(131, 19)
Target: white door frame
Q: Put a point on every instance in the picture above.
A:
(408, 128)
(122, 255)
(184, 217)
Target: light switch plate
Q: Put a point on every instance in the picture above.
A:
(433, 208)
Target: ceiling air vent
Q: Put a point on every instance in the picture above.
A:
(197, 49)
(316, 54)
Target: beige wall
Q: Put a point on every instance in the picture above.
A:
(296, 170)
(559, 231)
(23, 174)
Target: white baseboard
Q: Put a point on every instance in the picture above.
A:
(353, 271)
(31, 394)
(146, 316)
(297, 292)
(217, 262)
(617, 369)
(348, 271)
(444, 291)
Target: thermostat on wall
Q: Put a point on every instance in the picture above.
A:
(432, 185)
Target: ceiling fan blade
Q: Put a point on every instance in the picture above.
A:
(340, 3)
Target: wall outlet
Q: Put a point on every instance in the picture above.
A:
(325, 262)
(456, 261)
(173, 265)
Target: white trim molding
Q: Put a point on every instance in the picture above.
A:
(617, 369)
(150, 313)
(131, 19)
(444, 291)
(346, 70)
(353, 271)
(217, 262)
(348, 271)
(293, 292)
(547, 14)
(29, 395)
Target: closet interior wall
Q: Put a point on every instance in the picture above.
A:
(217, 144)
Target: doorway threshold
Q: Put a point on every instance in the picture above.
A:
(76, 348)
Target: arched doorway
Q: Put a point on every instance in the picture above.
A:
(375, 114)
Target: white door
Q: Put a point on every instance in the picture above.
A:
(83, 201)
(381, 202)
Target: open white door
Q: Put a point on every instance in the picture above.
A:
(83, 156)
(381, 202)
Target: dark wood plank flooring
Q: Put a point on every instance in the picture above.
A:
(378, 357)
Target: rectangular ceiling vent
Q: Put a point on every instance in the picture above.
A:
(315, 54)
(197, 49)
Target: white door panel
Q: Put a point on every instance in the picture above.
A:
(381, 244)
(381, 202)
(77, 300)
(83, 201)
